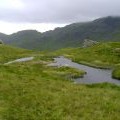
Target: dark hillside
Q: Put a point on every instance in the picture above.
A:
(102, 29)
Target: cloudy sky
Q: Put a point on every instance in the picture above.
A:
(44, 15)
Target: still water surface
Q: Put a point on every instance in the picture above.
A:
(93, 75)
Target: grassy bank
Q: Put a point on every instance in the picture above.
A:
(116, 73)
(8, 53)
(34, 91)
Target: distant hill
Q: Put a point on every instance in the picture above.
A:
(25, 39)
(73, 35)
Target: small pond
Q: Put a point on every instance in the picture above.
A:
(93, 75)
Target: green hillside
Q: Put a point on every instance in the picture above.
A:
(25, 39)
(33, 91)
(102, 55)
(106, 54)
(103, 29)
(8, 53)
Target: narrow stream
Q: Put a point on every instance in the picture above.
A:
(93, 75)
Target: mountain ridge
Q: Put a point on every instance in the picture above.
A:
(102, 29)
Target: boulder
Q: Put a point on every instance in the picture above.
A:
(1, 42)
(89, 43)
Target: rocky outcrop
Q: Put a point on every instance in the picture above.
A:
(1, 42)
(89, 43)
(117, 50)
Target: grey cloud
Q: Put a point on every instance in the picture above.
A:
(60, 11)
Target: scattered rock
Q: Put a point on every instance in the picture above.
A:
(89, 43)
(117, 50)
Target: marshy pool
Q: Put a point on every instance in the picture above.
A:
(94, 75)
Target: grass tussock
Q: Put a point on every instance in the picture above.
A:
(116, 73)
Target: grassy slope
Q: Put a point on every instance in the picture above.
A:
(103, 55)
(8, 53)
(33, 91)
